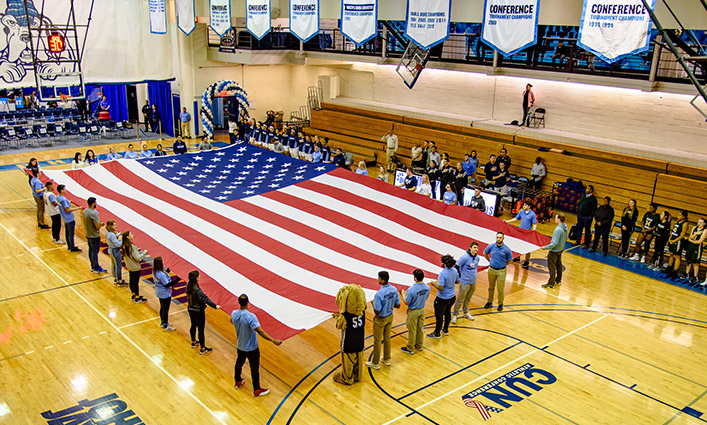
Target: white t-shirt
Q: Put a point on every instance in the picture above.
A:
(49, 208)
(425, 189)
(232, 127)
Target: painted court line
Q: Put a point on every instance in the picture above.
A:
(129, 340)
(149, 320)
(417, 409)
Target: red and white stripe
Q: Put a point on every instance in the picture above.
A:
(485, 415)
(291, 249)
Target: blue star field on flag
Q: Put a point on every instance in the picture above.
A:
(234, 172)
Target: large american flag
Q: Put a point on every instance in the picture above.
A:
(286, 232)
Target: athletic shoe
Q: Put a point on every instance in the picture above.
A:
(74, 249)
(94, 271)
(635, 257)
(386, 362)
(122, 283)
(445, 333)
(137, 300)
(468, 316)
(500, 307)
(421, 348)
(206, 350)
(102, 270)
(261, 392)
(59, 242)
(141, 300)
(240, 383)
(558, 283)
(643, 259)
(194, 344)
(549, 285)
(592, 250)
(44, 226)
(454, 320)
(488, 305)
(406, 351)
(168, 328)
(526, 264)
(434, 336)
(372, 365)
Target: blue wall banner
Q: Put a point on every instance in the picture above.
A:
(510, 25)
(220, 16)
(186, 18)
(257, 17)
(158, 16)
(612, 29)
(427, 22)
(304, 18)
(359, 20)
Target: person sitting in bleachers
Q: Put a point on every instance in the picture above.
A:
(537, 174)
(362, 168)
(410, 182)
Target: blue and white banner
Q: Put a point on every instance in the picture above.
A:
(359, 20)
(158, 17)
(220, 16)
(257, 17)
(510, 25)
(612, 29)
(427, 22)
(304, 18)
(186, 20)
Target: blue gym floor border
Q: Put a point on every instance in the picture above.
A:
(631, 266)
(612, 310)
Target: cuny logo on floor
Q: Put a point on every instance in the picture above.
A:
(506, 389)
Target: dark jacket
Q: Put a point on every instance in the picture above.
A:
(198, 301)
(629, 220)
(587, 205)
(605, 215)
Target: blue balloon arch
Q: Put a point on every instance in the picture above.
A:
(207, 114)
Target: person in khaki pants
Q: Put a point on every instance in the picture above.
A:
(499, 256)
(385, 300)
(416, 298)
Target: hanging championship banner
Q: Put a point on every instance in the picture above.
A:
(612, 29)
(220, 16)
(185, 16)
(427, 22)
(304, 18)
(510, 25)
(359, 20)
(257, 17)
(158, 17)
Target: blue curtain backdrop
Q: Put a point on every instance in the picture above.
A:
(160, 95)
(117, 98)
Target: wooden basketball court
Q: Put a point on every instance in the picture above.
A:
(607, 346)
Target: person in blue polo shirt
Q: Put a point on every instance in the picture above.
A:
(499, 255)
(384, 301)
(528, 221)
(247, 331)
(468, 265)
(67, 215)
(416, 298)
(445, 296)
(38, 195)
(131, 154)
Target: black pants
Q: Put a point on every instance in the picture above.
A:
(135, 282)
(443, 314)
(659, 248)
(603, 233)
(198, 321)
(164, 310)
(584, 225)
(254, 360)
(56, 226)
(554, 267)
(526, 115)
(94, 245)
(533, 184)
(625, 239)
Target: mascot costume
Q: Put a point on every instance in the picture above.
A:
(351, 319)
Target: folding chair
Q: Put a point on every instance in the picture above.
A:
(537, 117)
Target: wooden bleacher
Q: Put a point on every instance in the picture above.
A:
(621, 176)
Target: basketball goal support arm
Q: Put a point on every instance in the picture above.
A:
(674, 49)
